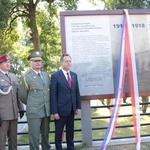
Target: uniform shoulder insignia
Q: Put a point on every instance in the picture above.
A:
(27, 72)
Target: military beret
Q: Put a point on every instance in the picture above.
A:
(36, 55)
(3, 58)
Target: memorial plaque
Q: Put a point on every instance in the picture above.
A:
(93, 38)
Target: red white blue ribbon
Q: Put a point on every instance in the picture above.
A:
(126, 59)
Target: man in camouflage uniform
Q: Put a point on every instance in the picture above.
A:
(34, 92)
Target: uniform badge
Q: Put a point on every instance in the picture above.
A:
(37, 53)
(33, 84)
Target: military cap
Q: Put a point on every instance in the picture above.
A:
(3, 58)
(36, 55)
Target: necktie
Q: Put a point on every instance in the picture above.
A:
(69, 80)
(7, 75)
(40, 76)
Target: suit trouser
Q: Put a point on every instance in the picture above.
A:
(59, 127)
(8, 129)
(37, 126)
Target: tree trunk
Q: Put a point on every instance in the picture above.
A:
(33, 25)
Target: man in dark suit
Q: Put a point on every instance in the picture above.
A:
(65, 102)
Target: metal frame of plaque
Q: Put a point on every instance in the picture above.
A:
(93, 38)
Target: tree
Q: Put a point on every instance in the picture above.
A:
(26, 9)
(40, 28)
(5, 7)
(128, 4)
(50, 37)
(17, 66)
(32, 17)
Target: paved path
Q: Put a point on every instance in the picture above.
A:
(53, 148)
(95, 147)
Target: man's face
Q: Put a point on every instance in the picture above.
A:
(66, 63)
(5, 66)
(36, 64)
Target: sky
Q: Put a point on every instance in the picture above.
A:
(85, 5)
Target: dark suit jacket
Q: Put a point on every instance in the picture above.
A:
(64, 98)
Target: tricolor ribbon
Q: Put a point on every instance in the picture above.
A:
(126, 59)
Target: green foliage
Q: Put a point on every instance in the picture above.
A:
(5, 7)
(17, 66)
(19, 41)
(127, 4)
(67, 4)
(50, 38)
(7, 40)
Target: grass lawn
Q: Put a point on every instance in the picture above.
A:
(97, 134)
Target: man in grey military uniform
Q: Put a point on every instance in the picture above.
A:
(34, 93)
(9, 105)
